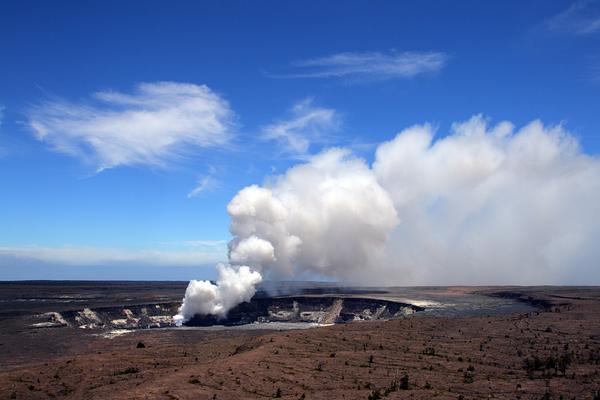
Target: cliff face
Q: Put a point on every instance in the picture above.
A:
(155, 315)
(315, 309)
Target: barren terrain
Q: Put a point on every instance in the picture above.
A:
(550, 352)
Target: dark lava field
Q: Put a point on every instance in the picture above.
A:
(108, 340)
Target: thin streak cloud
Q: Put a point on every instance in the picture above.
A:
(370, 65)
(205, 184)
(306, 125)
(581, 18)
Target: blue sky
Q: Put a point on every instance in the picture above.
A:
(282, 80)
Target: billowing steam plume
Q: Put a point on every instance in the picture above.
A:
(329, 217)
(234, 286)
(483, 205)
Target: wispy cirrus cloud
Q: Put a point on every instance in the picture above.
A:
(155, 124)
(306, 125)
(581, 18)
(369, 66)
(204, 184)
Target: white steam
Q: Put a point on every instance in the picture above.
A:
(482, 205)
(252, 251)
(234, 286)
(328, 217)
(491, 205)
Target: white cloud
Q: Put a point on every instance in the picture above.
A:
(155, 124)
(581, 18)
(371, 65)
(205, 184)
(307, 124)
(209, 252)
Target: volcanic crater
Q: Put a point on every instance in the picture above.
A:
(318, 309)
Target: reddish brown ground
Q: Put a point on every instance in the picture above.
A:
(444, 358)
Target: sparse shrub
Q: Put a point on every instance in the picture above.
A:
(194, 381)
(550, 366)
(404, 384)
(375, 395)
(130, 370)
(277, 393)
(392, 388)
(429, 351)
(551, 363)
(532, 364)
(141, 345)
(468, 377)
(65, 391)
(428, 385)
